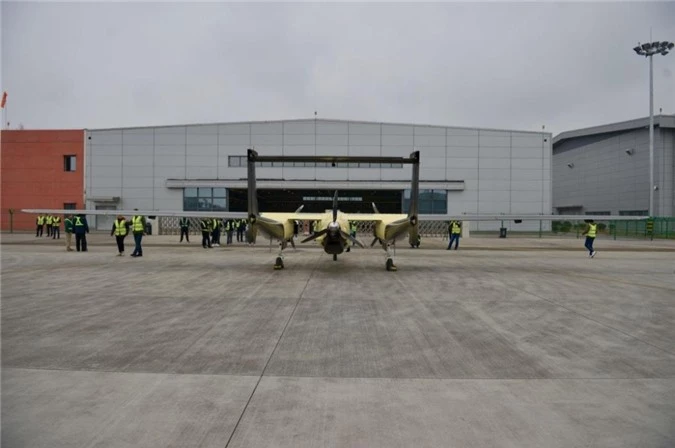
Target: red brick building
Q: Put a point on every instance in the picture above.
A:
(40, 169)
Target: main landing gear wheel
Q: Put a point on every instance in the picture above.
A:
(390, 265)
(279, 264)
(334, 257)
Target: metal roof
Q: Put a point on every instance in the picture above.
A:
(323, 120)
(663, 121)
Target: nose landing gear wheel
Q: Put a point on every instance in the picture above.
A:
(279, 264)
(334, 257)
(390, 265)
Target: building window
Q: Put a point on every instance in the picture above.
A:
(241, 162)
(69, 206)
(633, 213)
(599, 213)
(204, 199)
(432, 202)
(69, 163)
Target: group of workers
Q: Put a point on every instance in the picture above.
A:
(211, 229)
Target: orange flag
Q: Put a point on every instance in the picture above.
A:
(4, 100)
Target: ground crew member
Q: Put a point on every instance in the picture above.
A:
(590, 232)
(68, 226)
(40, 221)
(120, 229)
(215, 233)
(138, 228)
(49, 220)
(455, 231)
(205, 224)
(352, 230)
(81, 229)
(56, 223)
(229, 228)
(184, 227)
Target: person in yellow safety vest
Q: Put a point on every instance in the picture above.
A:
(81, 227)
(590, 232)
(68, 227)
(455, 230)
(138, 229)
(56, 223)
(229, 228)
(215, 231)
(40, 221)
(120, 229)
(352, 230)
(206, 225)
(49, 220)
(315, 227)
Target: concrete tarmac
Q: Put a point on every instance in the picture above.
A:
(187, 347)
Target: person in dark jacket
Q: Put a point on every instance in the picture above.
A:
(184, 229)
(81, 228)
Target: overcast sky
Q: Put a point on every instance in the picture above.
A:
(493, 65)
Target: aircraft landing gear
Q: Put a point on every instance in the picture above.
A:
(334, 257)
(390, 265)
(279, 263)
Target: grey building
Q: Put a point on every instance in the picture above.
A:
(605, 169)
(203, 167)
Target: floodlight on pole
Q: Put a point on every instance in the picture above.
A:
(648, 50)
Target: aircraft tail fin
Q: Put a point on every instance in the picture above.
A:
(253, 212)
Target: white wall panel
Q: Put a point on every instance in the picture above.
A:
(526, 208)
(398, 140)
(234, 129)
(299, 127)
(491, 185)
(493, 174)
(527, 164)
(299, 139)
(169, 150)
(232, 150)
(299, 150)
(460, 152)
(103, 192)
(333, 173)
(370, 151)
(429, 130)
(525, 153)
(202, 172)
(364, 140)
(170, 161)
(527, 140)
(106, 182)
(528, 196)
(166, 172)
(364, 129)
(429, 140)
(168, 130)
(334, 139)
(104, 137)
(494, 153)
(502, 164)
(494, 141)
(460, 174)
(462, 163)
(462, 132)
(524, 185)
(104, 150)
(268, 150)
(395, 129)
(432, 162)
(332, 128)
(196, 161)
(170, 203)
(299, 173)
(332, 150)
(432, 173)
(265, 128)
(137, 138)
(396, 151)
(144, 161)
(137, 150)
(104, 171)
(269, 139)
(518, 174)
(202, 129)
(138, 182)
(269, 173)
(137, 171)
(202, 139)
(202, 151)
(463, 141)
(497, 205)
(238, 140)
(136, 193)
(104, 161)
(364, 174)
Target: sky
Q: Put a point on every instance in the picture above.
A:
(497, 65)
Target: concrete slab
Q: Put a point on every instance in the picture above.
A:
(460, 348)
(329, 412)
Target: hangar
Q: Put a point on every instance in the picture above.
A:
(202, 167)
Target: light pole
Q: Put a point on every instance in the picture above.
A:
(648, 50)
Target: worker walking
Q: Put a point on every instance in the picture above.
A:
(120, 229)
(205, 224)
(454, 231)
(56, 224)
(229, 228)
(81, 229)
(40, 221)
(184, 229)
(352, 230)
(138, 228)
(215, 233)
(68, 227)
(590, 232)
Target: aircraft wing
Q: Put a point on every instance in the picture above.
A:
(226, 215)
(528, 217)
